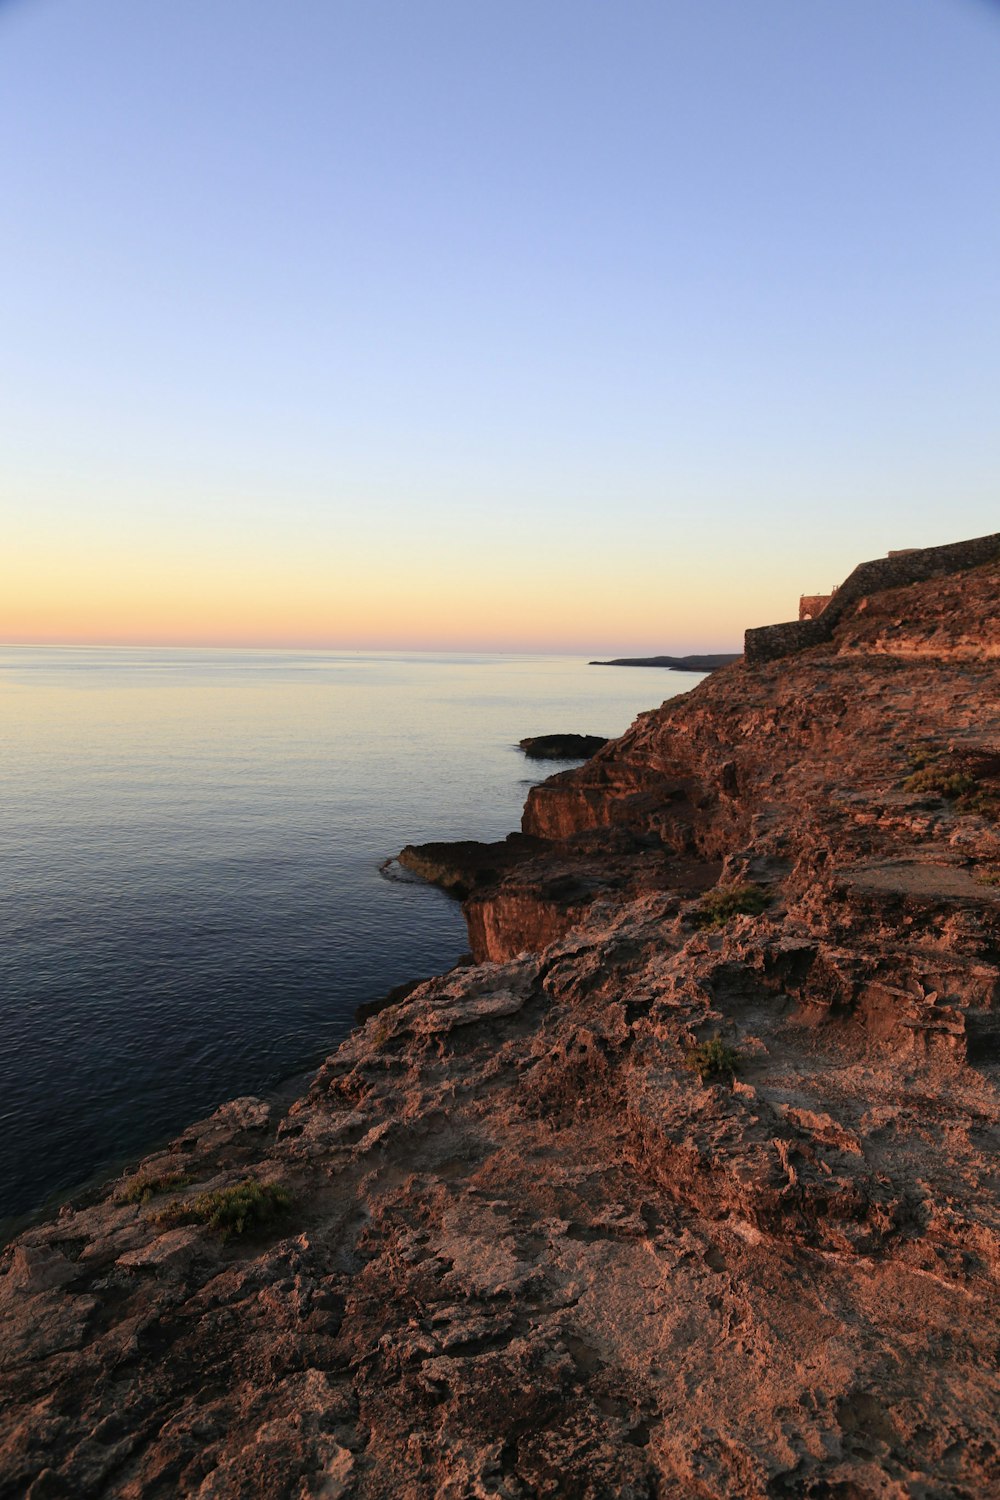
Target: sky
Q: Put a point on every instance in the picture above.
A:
(546, 325)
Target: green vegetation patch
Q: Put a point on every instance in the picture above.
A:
(925, 755)
(938, 779)
(986, 803)
(727, 901)
(240, 1209)
(140, 1189)
(968, 782)
(713, 1059)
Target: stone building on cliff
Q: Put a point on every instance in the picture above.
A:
(811, 605)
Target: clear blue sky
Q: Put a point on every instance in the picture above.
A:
(533, 322)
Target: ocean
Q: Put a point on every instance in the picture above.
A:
(191, 902)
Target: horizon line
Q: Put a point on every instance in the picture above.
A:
(407, 650)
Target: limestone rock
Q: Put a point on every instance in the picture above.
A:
(533, 1246)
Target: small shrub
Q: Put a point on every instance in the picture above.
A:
(924, 755)
(972, 790)
(235, 1210)
(985, 803)
(140, 1189)
(937, 779)
(712, 1059)
(728, 901)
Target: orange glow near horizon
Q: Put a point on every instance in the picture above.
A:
(337, 349)
(640, 604)
(174, 564)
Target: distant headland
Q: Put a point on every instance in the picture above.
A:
(674, 663)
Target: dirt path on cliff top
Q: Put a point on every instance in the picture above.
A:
(511, 1243)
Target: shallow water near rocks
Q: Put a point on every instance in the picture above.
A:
(190, 845)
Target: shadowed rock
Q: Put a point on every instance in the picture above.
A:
(466, 864)
(562, 746)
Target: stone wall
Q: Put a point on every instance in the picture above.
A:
(811, 605)
(768, 642)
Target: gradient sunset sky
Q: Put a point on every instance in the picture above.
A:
(498, 324)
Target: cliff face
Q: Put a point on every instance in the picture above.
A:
(533, 1244)
(789, 746)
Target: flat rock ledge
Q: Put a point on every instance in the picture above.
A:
(466, 865)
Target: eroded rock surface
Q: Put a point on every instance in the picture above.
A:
(530, 1251)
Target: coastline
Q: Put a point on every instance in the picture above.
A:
(194, 906)
(705, 662)
(651, 1197)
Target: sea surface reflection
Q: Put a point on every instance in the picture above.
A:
(190, 848)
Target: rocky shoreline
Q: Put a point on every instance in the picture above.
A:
(685, 1186)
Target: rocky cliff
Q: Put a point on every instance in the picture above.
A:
(689, 1189)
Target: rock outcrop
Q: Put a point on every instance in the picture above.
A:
(467, 865)
(685, 1192)
(562, 746)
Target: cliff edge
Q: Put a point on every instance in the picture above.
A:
(688, 1188)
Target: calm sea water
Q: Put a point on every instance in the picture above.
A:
(191, 906)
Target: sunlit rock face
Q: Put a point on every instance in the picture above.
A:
(666, 1198)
